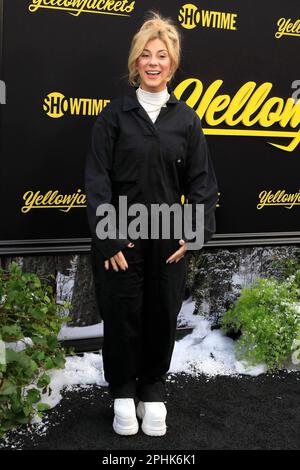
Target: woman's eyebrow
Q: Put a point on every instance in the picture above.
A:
(161, 50)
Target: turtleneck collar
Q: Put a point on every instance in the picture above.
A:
(153, 97)
(130, 100)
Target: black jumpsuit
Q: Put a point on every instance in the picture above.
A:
(149, 163)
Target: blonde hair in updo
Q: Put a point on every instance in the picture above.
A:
(154, 27)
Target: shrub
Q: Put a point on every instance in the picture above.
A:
(30, 316)
(268, 316)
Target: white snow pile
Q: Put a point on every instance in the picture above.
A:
(81, 332)
(85, 370)
(20, 345)
(206, 351)
(210, 353)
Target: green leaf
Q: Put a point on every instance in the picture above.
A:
(39, 340)
(38, 314)
(39, 356)
(49, 363)
(11, 332)
(52, 342)
(8, 388)
(33, 395)
(27, 408)
(19, 357)
(37, 283)
(44, 380)
(43, 407)
(21, 419)
(59, 362)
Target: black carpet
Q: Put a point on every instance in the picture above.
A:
(220, 413)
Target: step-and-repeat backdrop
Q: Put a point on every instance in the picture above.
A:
(62, 61)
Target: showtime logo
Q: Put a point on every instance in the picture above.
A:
(56, 105)
(190, 16)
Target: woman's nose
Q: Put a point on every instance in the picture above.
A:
(153, 60)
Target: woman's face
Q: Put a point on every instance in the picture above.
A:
(154, 58)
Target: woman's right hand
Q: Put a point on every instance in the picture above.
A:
(118, 261)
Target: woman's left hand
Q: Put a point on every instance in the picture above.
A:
(177, 255)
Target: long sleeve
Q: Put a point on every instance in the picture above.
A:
(200, 183)
(98, 186)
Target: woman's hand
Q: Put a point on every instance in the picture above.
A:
(178, 254)
(118, 261)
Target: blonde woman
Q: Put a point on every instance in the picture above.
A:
(148, 146)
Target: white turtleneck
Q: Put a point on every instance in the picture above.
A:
(152, 102)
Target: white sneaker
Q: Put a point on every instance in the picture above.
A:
(153, 415)
(125, 422)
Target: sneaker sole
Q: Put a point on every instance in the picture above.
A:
(151, 430)
(124, 430)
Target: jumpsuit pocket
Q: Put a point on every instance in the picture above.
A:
(175, 166)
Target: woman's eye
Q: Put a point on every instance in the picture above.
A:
(161, 57)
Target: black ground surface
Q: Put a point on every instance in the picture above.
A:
(218, 413)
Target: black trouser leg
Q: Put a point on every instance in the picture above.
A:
(120, 297)
(163, 296)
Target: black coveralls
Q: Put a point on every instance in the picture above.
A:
(149, 163)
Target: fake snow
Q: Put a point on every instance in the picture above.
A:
(81, 332)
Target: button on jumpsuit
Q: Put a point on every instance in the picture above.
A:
(150, 163)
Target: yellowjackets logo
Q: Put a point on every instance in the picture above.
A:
(76, 7)
(280, 198)
(287, 27)
(251, 106)
(190, 16)
(53, 199)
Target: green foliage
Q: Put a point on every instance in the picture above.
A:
(27, 310)
(288, 266)
(268, 318)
